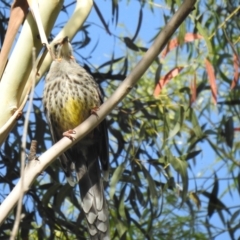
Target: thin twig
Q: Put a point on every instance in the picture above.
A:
(35, 11)
(23, 154)
(225, 21)
(33, 4)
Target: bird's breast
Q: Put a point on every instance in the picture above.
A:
(70, 102)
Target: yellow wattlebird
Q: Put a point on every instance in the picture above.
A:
(71, 95)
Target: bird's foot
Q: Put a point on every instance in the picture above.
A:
(19, 112)
(59, 59)
(19, 115)
(69, 133)
(94, 111)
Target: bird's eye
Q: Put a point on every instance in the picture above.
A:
(55, 46)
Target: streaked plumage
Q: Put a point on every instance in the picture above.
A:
(70, 95)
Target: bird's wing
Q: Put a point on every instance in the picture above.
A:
(103, 149)
(66, 162)
(103, 146)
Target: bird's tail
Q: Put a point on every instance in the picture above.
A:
(93, 200)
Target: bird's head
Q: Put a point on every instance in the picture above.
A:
(63, 49)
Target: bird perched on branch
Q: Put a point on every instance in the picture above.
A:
(71, 95)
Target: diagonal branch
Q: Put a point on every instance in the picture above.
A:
(36, 167)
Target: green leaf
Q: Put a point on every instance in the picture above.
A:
(121, 228)
(174, 131)
(63, 192)
(151, 185)
(229, 132)
(50, 192)
(205, 35)
(235, 217)
(215, 186)
(115, 178)
(192, 154)
(181, 167)
(195, 124)
(182, 32)
(121, 209)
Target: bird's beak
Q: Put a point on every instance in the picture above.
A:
(65, 49)
(65, 40)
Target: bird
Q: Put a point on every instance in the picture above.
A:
(70, 96)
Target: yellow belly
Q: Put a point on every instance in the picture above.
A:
(71, 114)
(76, 112)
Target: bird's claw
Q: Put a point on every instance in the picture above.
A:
(94, 111)
(68, 134)
(19, 115)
